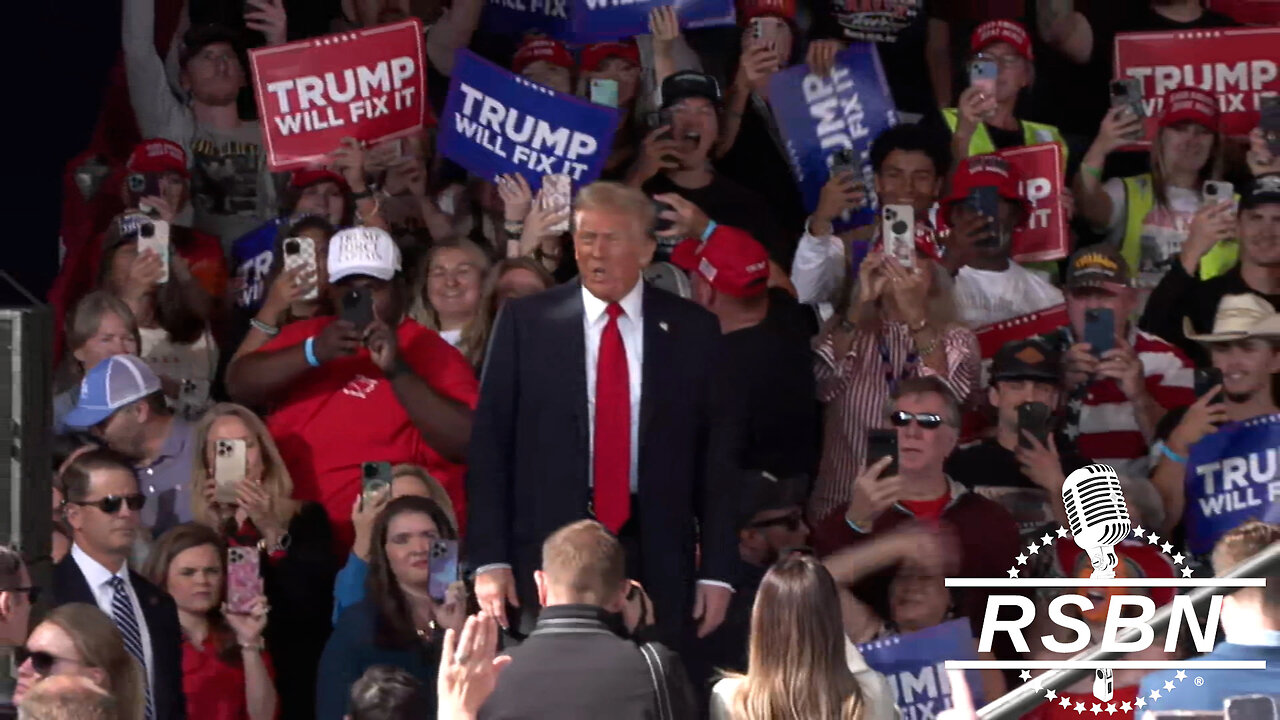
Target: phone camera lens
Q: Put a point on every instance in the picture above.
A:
(147, 230)
(899, 228)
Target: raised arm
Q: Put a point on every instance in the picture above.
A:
(158, 112)
(452, 32)
(1065, 29)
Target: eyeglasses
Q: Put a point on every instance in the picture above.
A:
(111, 504)
(928, 421)
(41, 662)
(33, 592)
(790, 521)
(1004, 61)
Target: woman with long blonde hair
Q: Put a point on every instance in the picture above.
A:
(448, 296)
(798, 666)
(293, 539)
(79, 639)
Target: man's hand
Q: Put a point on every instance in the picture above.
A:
(840, 194)
(821, 56)
(1079, 364)
(1119, 127)
(925, 549)
(972, 107)
(494, 588)
(348, 160)
(468, 668)
(656, 155)
(338, 339)
(710, 605)
(639, 608)
(267, 17)
(962, 241)
(872, 494)
(1212, 224)
(383, 346)
(1202, 418)
(1121, 364)
(1041, 464)
(1260, 158)
(687, 219)
(517, 198)
(664, 26)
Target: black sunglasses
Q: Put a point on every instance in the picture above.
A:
(41, 662)
(111, 504)
(790, 521)
(928, 421)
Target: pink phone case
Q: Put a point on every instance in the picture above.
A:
(244, 583)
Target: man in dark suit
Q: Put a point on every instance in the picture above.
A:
(102, 507)
(599, 400)
(574, 665)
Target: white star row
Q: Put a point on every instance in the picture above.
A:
(1034, 549)
(1097, 708)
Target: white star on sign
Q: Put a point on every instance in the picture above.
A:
(1168, 686)
(1155, 694)
(1079, 707)
(1046, 539)
(1065, 703)
(1025, 675)
(1186, 572)
(1013, 572)
(1178, 558)
(1022, 559)
(1166, 547)
(1126, 707)
(1153, 538)
(1182, 675)
(1050, 694)
(1111, 708)
(1140, 703)
(1139, 531)
(1095, 709)
(1034, 548)
(1063, 532)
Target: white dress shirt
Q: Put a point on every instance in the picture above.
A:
(99, 579)
(631, 325)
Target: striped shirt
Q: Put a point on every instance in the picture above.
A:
(1109, 431)
(855, 390)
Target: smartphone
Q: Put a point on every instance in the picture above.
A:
(557, 194)
(1216, 191)
(985, 200)
(898, 228)
(142, 185)
(664, 119)
(375, 481)
(982, 75)
(301, 252)
(604, 91)
(1034, 418)
(357, 307)
(843, 161)
(1127, 92)
(230, 464)
(882, 443)
(244, 581)
(443, 568)
(1270, 122)
(661, 224)
(1100, 330)
(1251, 707)
(1205, 380)
(765, 30)
(154, 236)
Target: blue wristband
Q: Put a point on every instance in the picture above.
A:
(711, 227)
(1164, 450)
(309, 348)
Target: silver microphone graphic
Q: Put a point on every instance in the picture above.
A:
(1098, 515)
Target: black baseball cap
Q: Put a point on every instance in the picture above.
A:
(687, 84)
(1032, 359)
(202, 36)
(1099, 265)
(1265, 190)
(762, 491)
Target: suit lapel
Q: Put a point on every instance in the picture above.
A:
(569, 338)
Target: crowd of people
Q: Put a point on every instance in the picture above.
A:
(681, 460)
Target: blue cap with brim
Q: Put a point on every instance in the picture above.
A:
(109, 386)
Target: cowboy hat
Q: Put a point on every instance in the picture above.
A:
(1238, 317)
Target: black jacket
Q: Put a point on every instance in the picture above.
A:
(1179, 295)
(529, 463)
(161, 616)
(573, 666)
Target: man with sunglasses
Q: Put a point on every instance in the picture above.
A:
(17, 595)
(102, 507)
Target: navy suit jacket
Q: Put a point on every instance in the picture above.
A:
(529, 463)
(161, 616)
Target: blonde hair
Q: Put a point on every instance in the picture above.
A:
(940, 311)
(616, 197)
(275, 476)
(797, 668)
(101, 646)
(475, 335)
(435, 490)
(68, 697)
(1160, 184)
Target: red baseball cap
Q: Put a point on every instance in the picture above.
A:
(307, 177)
(594, 55)
(751, 9)
(981, 170)
(541, 48)
(157, 156)
(1190, 104)
(730, 260)
(1005, 31)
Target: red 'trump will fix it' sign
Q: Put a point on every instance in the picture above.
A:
(369, 85)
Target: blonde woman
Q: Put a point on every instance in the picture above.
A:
(293, 538)
(79, 639)
(448, 296)
(100, 326)
(800, 665)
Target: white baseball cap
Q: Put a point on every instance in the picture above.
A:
(363, 251)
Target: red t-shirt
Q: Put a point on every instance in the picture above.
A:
(345, 413)
(214, 687)
(929, 511)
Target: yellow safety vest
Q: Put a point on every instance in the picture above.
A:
(1032, 132)
(1140, 198)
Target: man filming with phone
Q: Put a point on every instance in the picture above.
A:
(1120, 380)
(371, 384)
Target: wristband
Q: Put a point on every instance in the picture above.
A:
(309, 348)
(1095, 172)
(711, 227)
(1167, 452)
(269, 330)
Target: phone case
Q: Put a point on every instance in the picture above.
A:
(1100, 330)
(898, 231)
(1033, 417)
(443, 568)
(157, 242)
(375, 478)
(244, 583)
(357, 308)
(879, 444)
(604, 92)
(982, 75)
(304, 257)
(229, 466)
(557, 192)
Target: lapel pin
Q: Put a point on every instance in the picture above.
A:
(663, 326)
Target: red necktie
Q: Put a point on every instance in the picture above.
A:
(611, 456)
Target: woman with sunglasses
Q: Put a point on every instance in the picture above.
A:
(398, 623)
(292, 538)
(226, 673)
(79, 639)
